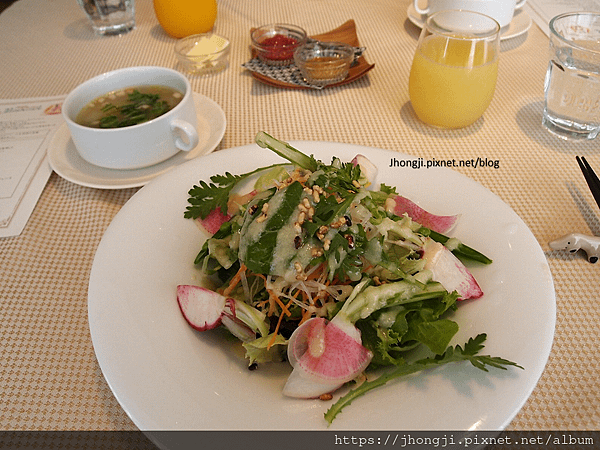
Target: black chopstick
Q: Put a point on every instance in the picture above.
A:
(590, 177)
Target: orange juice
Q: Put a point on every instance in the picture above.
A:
(452, 81)
(181, 18)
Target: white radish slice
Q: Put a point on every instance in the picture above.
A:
(449, 271)
(298, 385)
(441, 224)
(201, 308)
(324, 357)
(368, 169)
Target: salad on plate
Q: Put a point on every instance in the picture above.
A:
(314, 264)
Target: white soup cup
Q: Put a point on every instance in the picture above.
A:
(139, 145)
(501, 11)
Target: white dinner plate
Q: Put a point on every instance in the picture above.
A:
(167, 376)
(65, 159)
(519, 25)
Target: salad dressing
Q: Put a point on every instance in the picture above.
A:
(285, 252)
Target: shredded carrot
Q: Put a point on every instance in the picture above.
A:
(274, 299)
(235, 280)
(317, 272)
(306, 314)
(272, 341)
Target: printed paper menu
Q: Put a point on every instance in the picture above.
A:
(26, 128)
(542, 11)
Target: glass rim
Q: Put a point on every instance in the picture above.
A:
(569, 41)
(493, 32)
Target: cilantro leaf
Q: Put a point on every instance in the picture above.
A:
(205, 197)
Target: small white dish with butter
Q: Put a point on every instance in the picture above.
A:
(203, 54)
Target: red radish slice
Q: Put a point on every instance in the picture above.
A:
(441, 224)
(201, 308)
(450, 271)
(213, 221)
(298, 342)
(324, 357)
(339, 356)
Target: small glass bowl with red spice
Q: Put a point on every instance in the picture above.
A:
(275, 44)
(324, 63)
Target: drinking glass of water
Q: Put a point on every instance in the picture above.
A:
(572, 85)
(454, 71)
(109, 16)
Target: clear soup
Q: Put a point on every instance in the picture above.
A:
(128, 106)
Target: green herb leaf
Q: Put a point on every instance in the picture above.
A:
(205, 197)
(452, 354)
(462, 251)
(141, 108)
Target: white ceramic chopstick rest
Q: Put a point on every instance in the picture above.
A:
(576, 241)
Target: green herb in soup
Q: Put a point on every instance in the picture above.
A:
(128, 106)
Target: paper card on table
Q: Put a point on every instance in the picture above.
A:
(26, 128)
(542, 11)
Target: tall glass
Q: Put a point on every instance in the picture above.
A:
(454, 71)
(572, 85)
(110, 16)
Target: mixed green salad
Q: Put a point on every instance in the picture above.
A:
(316, 265)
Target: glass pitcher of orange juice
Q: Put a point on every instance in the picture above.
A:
(454, 71)
(181, 18)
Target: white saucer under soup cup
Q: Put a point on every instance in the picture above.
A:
(135, 146)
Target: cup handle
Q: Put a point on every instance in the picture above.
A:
(520, 4)
(189, 131)
(426, 10)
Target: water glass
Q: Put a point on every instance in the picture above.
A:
(110, 16)
(454, 71)
(572, 85)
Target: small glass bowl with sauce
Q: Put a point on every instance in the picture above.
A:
(324, 63)
(203, 54)
(275, 44)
